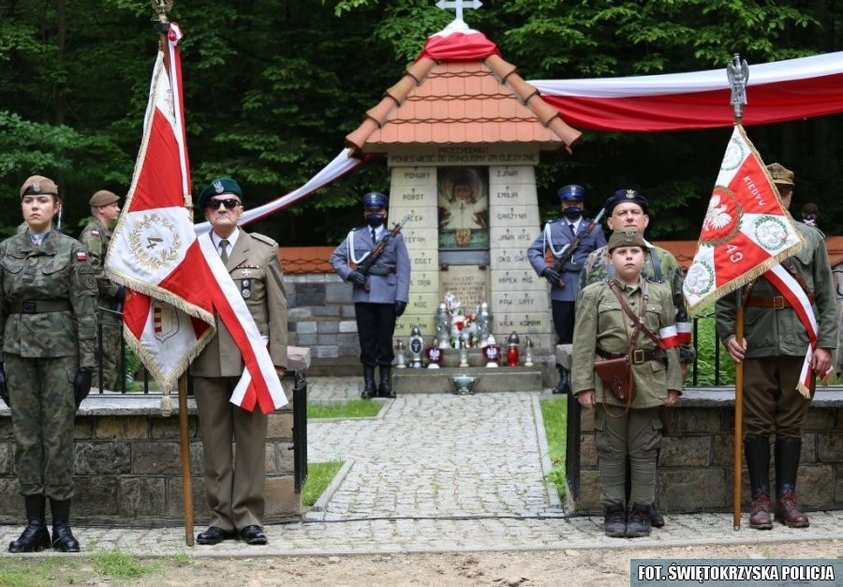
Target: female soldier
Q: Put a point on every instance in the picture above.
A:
(631, 321)
(48, 329)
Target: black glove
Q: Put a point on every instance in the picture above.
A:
(4, 389)
(82, 384)
(552, 276)
(357, 278)
(399, 308)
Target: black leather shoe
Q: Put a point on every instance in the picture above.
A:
(63, 539)
(656, 517)
(33, 539)
(253, 535)
(638, 523)
(614, 521)
(214, 535)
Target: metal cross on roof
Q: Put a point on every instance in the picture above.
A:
(459, 5)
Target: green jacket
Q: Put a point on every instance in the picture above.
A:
(56, 272)
(96, 239)
(771, 333)
(602, 323)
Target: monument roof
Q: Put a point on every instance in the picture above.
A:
(461, 91)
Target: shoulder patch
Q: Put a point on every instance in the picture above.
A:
(81, 256)
(263, 238)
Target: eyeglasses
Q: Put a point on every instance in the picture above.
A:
(229, 203)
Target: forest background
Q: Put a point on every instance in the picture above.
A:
(273, 86)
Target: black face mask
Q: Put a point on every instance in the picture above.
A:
(374, 220)
(572, 213)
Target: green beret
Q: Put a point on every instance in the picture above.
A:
(626, 238)
(37, 185)
(103, 198)
(217, 187)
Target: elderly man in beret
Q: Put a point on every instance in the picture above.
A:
(773, 353)
(95, 237)
(234, 479)
(628, 209)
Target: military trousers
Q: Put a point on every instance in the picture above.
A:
(43, 413)
(112, 336)
(234, 479)
(375, 326)
(637, 434)
(563, 321)
(771, 403)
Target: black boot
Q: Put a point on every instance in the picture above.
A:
(564, 385)
(63, 539)
(787, 465)
(757, 452)
(385, 387)
(35, 536)
(369, 389)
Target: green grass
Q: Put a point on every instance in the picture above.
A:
(354, 408)
(119, 565)
(36, 572)
(555, 415)
(319, 476)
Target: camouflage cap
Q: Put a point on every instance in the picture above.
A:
(781, 175)
(625, 238)
(103, 198)
(37, 185)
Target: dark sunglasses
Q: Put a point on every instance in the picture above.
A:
(229, 203)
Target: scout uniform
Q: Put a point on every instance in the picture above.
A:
(96, 238)
(776, 342)
(626, 428)
(379, 297)
(48, 326)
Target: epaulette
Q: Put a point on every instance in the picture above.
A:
(263, 238)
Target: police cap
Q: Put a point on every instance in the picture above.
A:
(103, 198)
(217, 187)
(571, 192)
(781, 175)
(625, 238)
(375, 200)
(39, 185)
(626, 195)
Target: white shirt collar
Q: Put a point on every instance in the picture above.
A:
(232, 238)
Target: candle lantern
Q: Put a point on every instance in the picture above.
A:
(492, 352)
(463, 344)
(484, 322)
(443, 326)
(528, 352)
(400, 361)
(434, 354)
(416, 347)
(512, 352)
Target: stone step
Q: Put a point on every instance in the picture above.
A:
(476, 379)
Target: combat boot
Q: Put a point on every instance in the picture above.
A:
(35, 536)
(369, 389)
(757, 452)
(385, 387)
(564, 385)
(787, 464)
(614, 521)
(638, 523)
(63, 539)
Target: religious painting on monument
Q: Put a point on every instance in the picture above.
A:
(463, 201)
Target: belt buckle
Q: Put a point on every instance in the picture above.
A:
(29, 307)
(637, 356)
(778, 303)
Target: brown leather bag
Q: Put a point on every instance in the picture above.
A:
(615, 373)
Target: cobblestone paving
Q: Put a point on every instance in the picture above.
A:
(437, 473)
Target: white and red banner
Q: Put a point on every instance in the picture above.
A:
(745, 232)
(179, 286)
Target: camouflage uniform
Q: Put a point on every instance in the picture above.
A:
(48, 326)
(597, 268)
(95, 238)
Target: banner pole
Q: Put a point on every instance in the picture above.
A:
(184, 442)
(738, 456)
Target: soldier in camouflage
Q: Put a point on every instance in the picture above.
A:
(95, 237)
(48, 329)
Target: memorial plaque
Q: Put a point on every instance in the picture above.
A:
(520, 175)
(424, 260)
(497, 155)
(419, 238)
(424, 281)
(517, 280)
(420, 216)
(511, 195)
(513, 237)
(423, 303)
(468, 282)
(514, 216)
(404, 326)
(529, 323)
(512, 301)
(503, 259)
(418, 177)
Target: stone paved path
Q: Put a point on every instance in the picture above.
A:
(438, 473)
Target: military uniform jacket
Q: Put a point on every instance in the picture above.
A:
(771, 333)
(555, 236)
(256, 270)
(597, 268)
(95, 238)
(389, 280)
(56, 272)
(602, 323)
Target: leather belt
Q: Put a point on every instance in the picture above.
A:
(639, 356)
(375, 270)
(39, 306)
(774, 303)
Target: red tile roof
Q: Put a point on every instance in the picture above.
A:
(301, 260)
(468, 102)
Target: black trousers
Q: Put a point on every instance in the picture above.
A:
(563, 321)
(375, 326)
